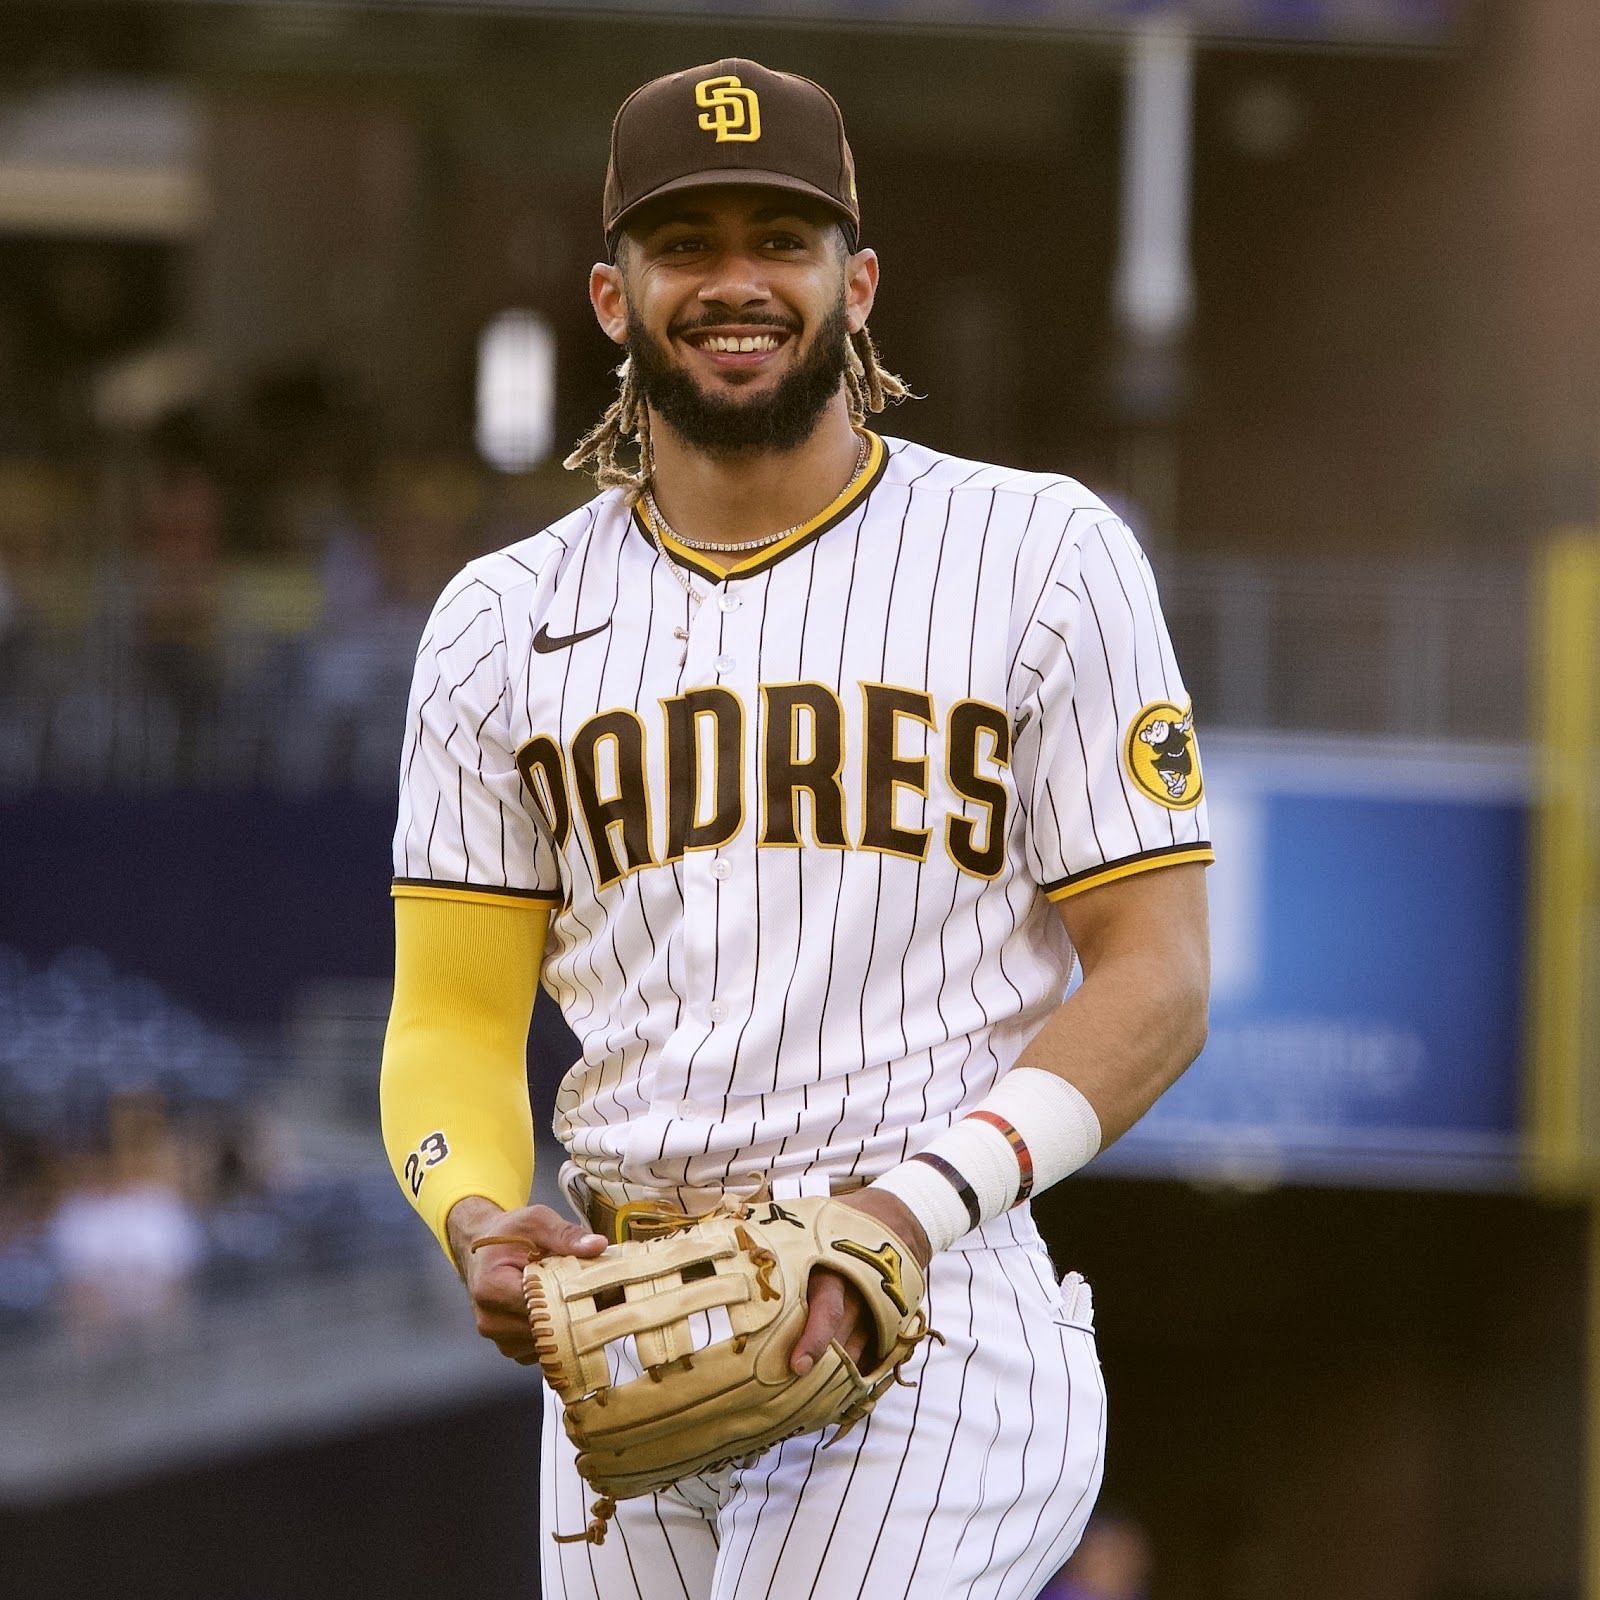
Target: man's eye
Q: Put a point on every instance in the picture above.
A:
(683, 246)
(785, 241)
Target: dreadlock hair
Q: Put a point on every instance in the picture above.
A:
(869, 386)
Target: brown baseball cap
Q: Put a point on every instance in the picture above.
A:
(733, 121)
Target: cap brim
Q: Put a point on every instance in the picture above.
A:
(730, 178)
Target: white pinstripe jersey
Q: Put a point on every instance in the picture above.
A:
(801, 860)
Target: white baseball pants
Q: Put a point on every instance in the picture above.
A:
(974, 1485)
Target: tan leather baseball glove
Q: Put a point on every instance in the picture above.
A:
(695, 1409)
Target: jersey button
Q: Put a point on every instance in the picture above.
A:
(729, 602)
(726, 663)
(721, 867)
(717, 1011)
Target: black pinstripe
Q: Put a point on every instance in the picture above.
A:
(960, 1411)
(760, 819)
(1117, 717)
(1054, 1552)
(666, 1539)
(644, 912)
(916, 912)
(733, 1064)
(1025, 632)
(788, 1532)
(877, 904)
(1027, 1441)
(863, 1434)
(933, 1304)
(620, 982)
(627, 1555)
(592, 992)
(482, 611)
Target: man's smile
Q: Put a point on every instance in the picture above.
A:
(737, 347)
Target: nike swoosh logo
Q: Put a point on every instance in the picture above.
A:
(545, 642)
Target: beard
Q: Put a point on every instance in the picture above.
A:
(781, 419)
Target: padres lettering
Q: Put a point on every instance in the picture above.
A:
(728, 109)
(602, 777)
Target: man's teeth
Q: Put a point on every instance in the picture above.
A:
(726, 345)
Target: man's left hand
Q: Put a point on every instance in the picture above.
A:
(836, 1310)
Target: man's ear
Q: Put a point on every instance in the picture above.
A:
(860, 288)
(609, 300)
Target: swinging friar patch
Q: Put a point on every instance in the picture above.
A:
(1161, 757)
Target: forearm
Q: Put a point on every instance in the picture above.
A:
(1094, 1069)
(453, 1091)
(1124, 1036)
(1100, 1062)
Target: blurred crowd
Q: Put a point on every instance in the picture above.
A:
(233, 602)
(144, 1167)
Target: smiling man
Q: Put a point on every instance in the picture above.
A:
(800, 765)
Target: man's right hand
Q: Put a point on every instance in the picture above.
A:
(493, 1275)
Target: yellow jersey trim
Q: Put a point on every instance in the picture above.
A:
(1150, 861)
(474, 893)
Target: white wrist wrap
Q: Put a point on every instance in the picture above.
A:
(931, 1198)
(1031, 1130)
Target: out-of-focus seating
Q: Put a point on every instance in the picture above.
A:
(140, 1164)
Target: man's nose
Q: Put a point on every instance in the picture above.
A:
(736, 281)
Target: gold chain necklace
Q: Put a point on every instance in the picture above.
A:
(718, 545)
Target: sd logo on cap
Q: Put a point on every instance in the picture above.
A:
(732, 111)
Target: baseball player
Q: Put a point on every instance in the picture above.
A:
(799, 765)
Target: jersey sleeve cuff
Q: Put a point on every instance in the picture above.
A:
(478, 893)
(1169, 855)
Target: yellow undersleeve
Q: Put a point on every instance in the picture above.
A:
(454, 1089)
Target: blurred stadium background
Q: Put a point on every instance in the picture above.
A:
(292, 323)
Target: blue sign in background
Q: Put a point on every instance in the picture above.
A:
(1368, 934)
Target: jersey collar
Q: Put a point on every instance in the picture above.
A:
(760, 560)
